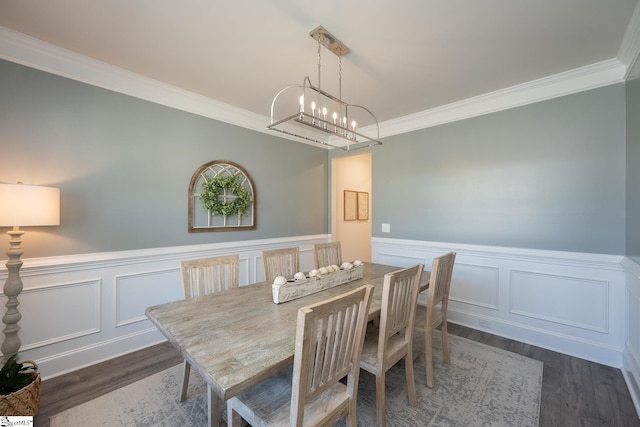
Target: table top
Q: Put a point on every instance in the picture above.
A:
(236, 338)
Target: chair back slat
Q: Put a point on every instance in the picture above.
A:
(329, 340)
(280, 262)
(399, 299)
(208, 275)
(325, 254)
(440, 283)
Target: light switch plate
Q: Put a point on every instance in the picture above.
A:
(386, 228)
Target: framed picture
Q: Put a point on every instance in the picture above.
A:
(350, 205)
(363, 206)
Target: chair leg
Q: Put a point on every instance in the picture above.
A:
(445, 342)
(428, 355)
(411, 381)
(351, 419)
(186, 369)
(381, 413)
(214, 408)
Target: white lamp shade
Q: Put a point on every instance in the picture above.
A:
(29, 205)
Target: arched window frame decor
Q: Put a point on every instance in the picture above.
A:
(200, 219)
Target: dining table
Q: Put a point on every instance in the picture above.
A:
(236, 338)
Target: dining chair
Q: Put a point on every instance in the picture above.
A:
(437, 304)
(392, 340)
(201, 277)
(325, 254)
(329, 338)
(280, 262)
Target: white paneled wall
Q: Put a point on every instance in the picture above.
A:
(79, 310)
(573, 303)
(631, 357)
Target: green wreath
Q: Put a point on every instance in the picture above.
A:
(213, 188)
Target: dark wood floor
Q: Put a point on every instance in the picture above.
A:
(575, 392)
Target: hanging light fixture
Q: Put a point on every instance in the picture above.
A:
(315, 115)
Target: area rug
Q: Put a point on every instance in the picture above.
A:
(483, 386)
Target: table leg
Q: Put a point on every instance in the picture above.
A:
(214, 408)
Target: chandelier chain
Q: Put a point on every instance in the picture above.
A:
(340, 74)
(319, 63)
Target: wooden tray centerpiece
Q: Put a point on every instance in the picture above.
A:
(287, 289)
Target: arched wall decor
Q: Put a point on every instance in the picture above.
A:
(222, 197)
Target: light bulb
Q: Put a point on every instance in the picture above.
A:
(301, 107)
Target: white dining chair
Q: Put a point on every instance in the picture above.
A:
(201, 277)
(437, 304)
(391, 341)
(280, 262)
(326, 254)
(329, 337)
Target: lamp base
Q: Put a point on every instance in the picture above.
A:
(12, 288)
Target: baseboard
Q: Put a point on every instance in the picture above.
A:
(81, 357)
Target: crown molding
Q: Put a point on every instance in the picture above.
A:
(630, 46)
(566, 83)
(34, 53)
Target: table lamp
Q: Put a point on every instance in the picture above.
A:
(21, 205)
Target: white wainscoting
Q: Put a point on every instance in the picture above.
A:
(573, 303)
(631, 357)
(82, 309)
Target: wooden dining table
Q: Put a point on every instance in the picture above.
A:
(236, 338)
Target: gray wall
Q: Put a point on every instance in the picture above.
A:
(550, 175)
(124, 165)
(633, 165)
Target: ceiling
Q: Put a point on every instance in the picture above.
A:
(406, 56)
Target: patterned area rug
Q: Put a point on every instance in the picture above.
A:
(483, 386)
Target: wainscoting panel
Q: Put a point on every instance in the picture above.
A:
(82, 309)
(572, 303)
(135, 292)
(545, 296)
(58, 302)
(474, 285)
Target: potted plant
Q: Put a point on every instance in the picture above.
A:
(19, 387)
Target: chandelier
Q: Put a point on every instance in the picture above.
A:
(312, 114)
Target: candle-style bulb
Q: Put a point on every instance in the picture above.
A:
(301, 107)
(313, 113)
(335, 116)
(353, 127)
(324, 117)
